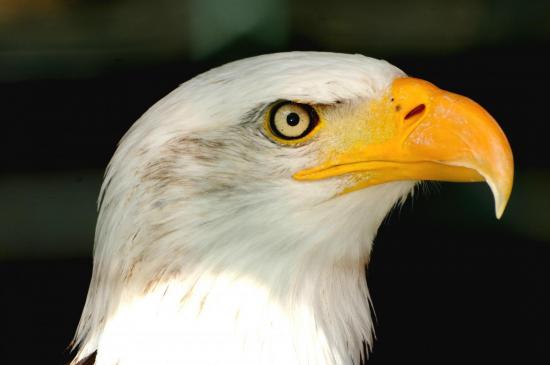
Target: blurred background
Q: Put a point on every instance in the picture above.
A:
(450, 283)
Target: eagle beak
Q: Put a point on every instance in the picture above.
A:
(420, 132)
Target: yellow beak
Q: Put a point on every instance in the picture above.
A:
(429, 134)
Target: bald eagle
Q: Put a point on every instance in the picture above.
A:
(238, 213)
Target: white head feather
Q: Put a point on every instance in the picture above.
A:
(208, 252)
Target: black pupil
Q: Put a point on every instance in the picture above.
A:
(293, 119)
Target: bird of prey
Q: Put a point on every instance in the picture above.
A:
(238, 213)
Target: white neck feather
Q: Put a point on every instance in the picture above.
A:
(295, 299)
(318, 316)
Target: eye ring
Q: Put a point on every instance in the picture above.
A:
(290, 121)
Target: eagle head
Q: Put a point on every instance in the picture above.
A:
(238, 213)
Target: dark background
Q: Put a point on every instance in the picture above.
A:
(450, 283)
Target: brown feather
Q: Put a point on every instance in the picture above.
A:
(90, 360)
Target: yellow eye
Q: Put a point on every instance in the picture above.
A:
(292, 121)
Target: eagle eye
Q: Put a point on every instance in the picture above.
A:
(291, 122)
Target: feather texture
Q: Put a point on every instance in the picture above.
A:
(208, 252)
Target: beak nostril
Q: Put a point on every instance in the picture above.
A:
(416, 110)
